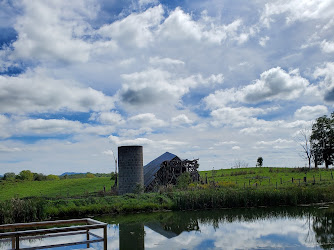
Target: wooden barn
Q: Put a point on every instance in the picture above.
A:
(166, 169)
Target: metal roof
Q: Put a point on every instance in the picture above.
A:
(151, 168)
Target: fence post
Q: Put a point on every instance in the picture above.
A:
(332, 174)
(313, 179)
(281, 181)
(299, 182)
(206, 178)
(320, 177)
(269, 180)
(305, 179)
(244, 184)
(276, 184)
(292, 179)
(249, 183)
(255, 184)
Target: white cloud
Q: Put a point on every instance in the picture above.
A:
(276, 144)
(225, 143)
(165, 61)
(39, 93)
(298, 10)
(146, 120)
(276, 84)
(179, 26)
(327, 47)
(51, 126)
(311, 112)
(160, 86)
(53, 30)
(235, 148)
(236, 117)
(135, 30)
(119, 141)
(4, 149)
(181, 119)
(113, 118)
(263, 41)
(327, 84)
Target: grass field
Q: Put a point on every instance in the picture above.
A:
(243, 177)
(268, 177)
(53, 189)
(247, 187)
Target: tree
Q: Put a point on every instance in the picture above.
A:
(26, 175)
(9, 176)
(304, 140)
(259, 162)
(52, 177)
(39, 177)
(322, 140)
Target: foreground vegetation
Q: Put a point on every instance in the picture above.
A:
(249, 187)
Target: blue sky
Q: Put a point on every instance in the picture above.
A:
(222, 81)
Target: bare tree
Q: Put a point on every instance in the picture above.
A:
(303, 139)
(240, 164)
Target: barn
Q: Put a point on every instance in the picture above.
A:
(166, 169)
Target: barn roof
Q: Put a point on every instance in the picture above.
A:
(151, 168)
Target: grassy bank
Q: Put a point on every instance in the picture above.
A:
(16, 210)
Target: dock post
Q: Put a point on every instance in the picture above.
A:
(87, 237)
(105, 238)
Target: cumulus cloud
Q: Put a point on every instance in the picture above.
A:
(136, 30)
(327, 47)
(181, 119)
(113, 118)
(146, 120)
(180, 26)
(274, 84)
(297, 10)
(54, 30)
(327, 84)
(165, 61)
(39, 93)
(311, 112)
(276, 144)
(237, 117)
(158, 86)
(143, 141)
(51, 126)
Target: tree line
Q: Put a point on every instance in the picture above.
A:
(27, 175)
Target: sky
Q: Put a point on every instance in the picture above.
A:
(219, 81)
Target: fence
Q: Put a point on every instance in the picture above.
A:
(263, 181)
(15, 236)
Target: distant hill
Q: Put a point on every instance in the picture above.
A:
(70, 173)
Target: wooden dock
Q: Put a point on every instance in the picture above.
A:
(61, 228)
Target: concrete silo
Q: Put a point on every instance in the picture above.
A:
(130, 167)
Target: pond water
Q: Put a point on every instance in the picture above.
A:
(257, 228)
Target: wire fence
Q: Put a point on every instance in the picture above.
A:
(309, 178)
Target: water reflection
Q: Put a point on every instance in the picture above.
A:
(260, 228)
(293, 228)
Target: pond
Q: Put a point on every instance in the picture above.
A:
(257, 228)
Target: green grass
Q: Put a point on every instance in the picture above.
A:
(229, 188)
(268, 177)
(53, 189)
